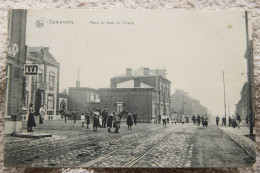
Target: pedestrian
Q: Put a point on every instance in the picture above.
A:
(187, 120)
(82, 119)
(229, 121)
(74, 116)
(223, 119)
(159, 119)
(31, 119)
(234, 122)
(198, 120)
(193, 119)
(87, 120)
(168, 119)
(95, 120)
(183, 119)
(238, 120)
(109, 122)
(104, 118)
(129, 121)
(135, 118)
(100, 120)
(65, 116)
(217, 120)
(164, 120)
(42, 114)
(116, 123)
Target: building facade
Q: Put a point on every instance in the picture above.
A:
(83, 99)
(183, 103)
(15, 79)
(42, 89)
(143, 90)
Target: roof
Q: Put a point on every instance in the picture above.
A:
(130, 84)
(140, 72)
(187, 95)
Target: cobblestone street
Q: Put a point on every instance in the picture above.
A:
(146, 145)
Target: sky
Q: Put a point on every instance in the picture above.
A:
(195, 48)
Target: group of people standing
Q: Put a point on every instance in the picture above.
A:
(103, 119)
(232, 122)
(203, 119)
(31, 122)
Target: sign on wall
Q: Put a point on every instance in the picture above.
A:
(31, 69)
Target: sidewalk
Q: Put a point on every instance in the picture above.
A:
(239, 135)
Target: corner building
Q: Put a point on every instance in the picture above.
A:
(145, 91)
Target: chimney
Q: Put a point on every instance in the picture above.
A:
(146, 71)
(113, 83)
(128, 72)
(137, 82)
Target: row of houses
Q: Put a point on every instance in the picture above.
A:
(22, 89)
(143, 90)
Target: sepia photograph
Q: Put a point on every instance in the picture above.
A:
(129, 89)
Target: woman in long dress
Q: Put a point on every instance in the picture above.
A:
(129, 121)
(95, 121)
(31, 119)
(109, 122)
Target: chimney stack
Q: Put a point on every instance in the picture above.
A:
(128, 72)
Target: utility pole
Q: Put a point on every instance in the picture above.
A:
(224, 95)
(249, 57)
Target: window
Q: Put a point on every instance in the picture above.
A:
(92, 96)
(50, 102)
(51, 79)
(40, 76)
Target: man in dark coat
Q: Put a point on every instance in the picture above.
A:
(129, 121)
(104, 118)
(109, 122)
(87, 119)
(198, 120)
(96, 120)
(135, 118)
(31, 119)
(159, 118)
(217, 120)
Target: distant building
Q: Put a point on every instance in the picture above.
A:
(242, 105)
(83, 99)
(183, 103)
(143, 90)
(15, 79)
(44, 88)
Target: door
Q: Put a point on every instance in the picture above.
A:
(38, 102)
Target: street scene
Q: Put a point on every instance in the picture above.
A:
(95, 90)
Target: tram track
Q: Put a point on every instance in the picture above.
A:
(69, 145)
(132, 162)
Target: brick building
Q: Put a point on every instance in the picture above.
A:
(15, 79)
(183, 103)
(242, 105)
(143, 90)
(42, 89)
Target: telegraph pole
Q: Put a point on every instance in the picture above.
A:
(249, 57)
(224, 95)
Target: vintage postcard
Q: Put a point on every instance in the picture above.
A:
(129, 88)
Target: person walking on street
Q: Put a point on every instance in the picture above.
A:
(82, 119)
(95, 121)
(109, 122)
(42, 114)
(183, 119)
(87, 120)
(238, 120)
(223, 119)
(31, 119)
(74, 117)
(129, 121)
(229, 121)
(135, 118)
(159, 119)
(164, 120)
(234, 122)
(217, 120)
(198, 120)
(116, 123)
(104, 118)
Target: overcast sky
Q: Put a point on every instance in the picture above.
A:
(194, 47)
